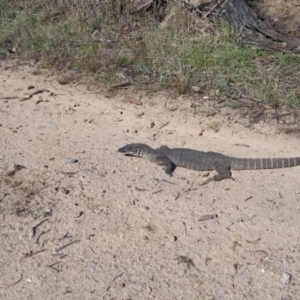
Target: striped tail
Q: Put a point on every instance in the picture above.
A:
(263, 163)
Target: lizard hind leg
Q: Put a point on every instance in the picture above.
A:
(167, 164)
(223, 170)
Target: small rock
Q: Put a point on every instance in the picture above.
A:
(78, 214)
(285, 263)
(196, 89)
(203, 182)
(118, 113)
(121, 285)
(139, 113)
(172, 238)
(72, 160)
(285, 278)
(25, 96)
(63, 79)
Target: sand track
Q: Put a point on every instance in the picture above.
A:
(131, 225)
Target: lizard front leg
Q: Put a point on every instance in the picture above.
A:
(164, 161)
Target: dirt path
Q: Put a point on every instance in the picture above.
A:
(130, 231)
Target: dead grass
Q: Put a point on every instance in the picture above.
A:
(19, 192)
(104, 39)
(215, 126)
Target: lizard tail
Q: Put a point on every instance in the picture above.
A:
(264, 163)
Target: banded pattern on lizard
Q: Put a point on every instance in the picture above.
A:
(204, 161)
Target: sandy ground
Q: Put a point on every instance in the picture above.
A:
(119, 228)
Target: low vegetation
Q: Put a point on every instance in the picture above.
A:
(106, 38)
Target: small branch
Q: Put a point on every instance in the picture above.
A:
(114, 280)
(37, 240)
(184, 228)
(120, 84)
(117, 276)
(67, 245)
(30, 254)
(208, 217)
(156, 192)
(6, 286)
(36, 226)
(34, 93)
(9, 97)
(51, 266)
(118, 107)
(69, 173)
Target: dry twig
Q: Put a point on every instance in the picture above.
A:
(67, 245)
(6, 286)
(36, 226)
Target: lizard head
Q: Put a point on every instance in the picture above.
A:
(133, 150)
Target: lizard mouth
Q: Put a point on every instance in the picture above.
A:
(128, 152)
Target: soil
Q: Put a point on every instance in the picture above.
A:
(117, 227)
(283, 16)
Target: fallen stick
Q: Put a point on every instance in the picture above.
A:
(51, 266)
(67, 245)
(30, 254)
(34, 93)
(208, 217)
(5, 286)
(36, 226)
(9, 97)
(120, 84)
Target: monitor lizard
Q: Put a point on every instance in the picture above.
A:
(204, 161)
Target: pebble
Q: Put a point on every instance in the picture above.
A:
(196, 89)
(285, 278)
(203, 182)
(72, 160)
(49, 123)
(139, 113)
(284, 263)
(172, 238)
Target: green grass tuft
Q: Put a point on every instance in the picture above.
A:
(104, 38)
